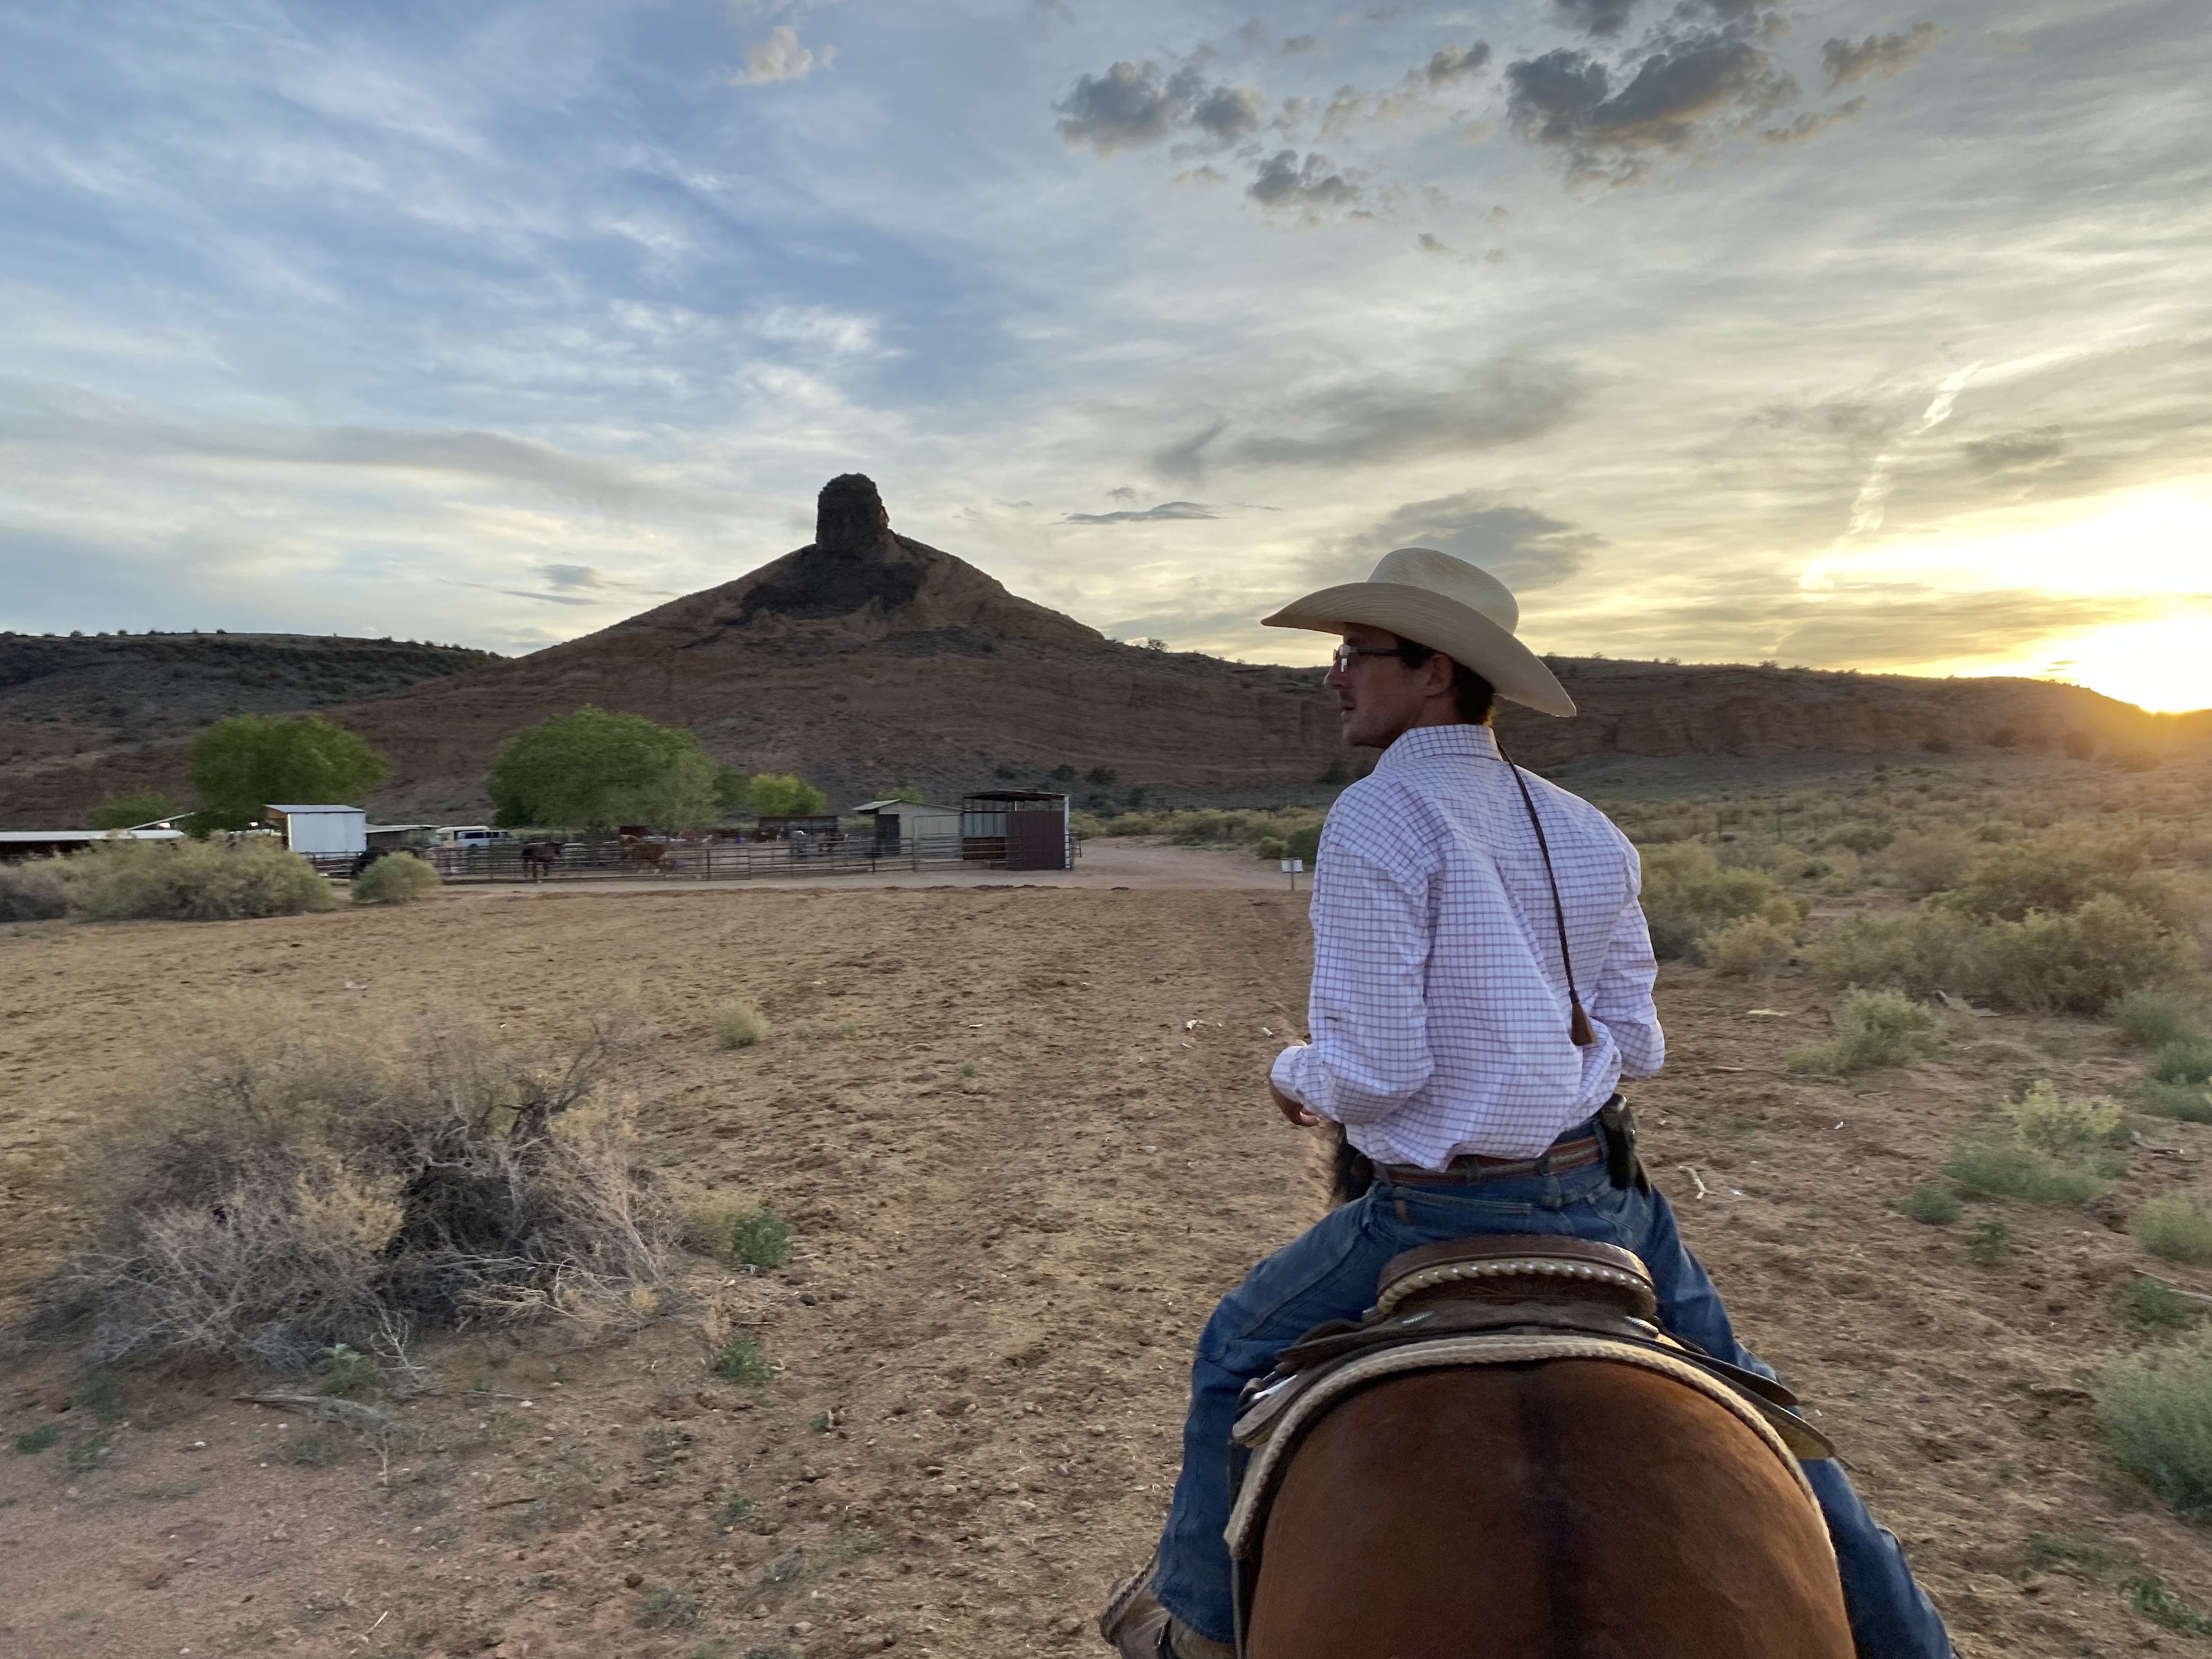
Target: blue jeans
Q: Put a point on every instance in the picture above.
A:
(1331, 1273)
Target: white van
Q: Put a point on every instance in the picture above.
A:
(469, 835)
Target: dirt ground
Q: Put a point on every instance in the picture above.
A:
(980, 1342)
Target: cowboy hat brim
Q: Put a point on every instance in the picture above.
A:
(1442, 624)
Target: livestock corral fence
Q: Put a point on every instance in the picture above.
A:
(676, 859)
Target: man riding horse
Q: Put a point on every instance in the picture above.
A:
(1482, 981)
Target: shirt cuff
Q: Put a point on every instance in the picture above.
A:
(1284, 1073)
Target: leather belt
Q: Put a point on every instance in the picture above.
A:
(1557, 1159)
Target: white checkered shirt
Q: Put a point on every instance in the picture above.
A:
(1439, 1010)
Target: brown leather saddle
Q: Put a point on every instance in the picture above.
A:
(1510, 1284)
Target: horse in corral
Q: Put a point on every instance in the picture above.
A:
(539, 858)
(639, 851)
(1507, 1460)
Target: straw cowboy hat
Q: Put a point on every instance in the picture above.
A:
(1447, 605)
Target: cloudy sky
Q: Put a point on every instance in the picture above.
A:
(1874, 334)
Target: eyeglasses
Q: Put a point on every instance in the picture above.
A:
(1346, 653)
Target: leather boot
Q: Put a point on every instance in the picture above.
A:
(1136, 1626)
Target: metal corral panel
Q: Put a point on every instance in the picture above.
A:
(321, 830)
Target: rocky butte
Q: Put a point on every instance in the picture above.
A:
(868, 659)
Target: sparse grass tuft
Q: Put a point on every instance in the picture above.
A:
(102, 1394)
(310, 1447)
(2151, 1019)
(34, 889)
(967, 1068)
(348, 1373)
(2054, 1549)
(1878, 1027)
(32, 1440)
(88, 1452)
(1991, 1242)
(1998, 1164)
(1938, 1207)
(665, 1608)
(396, 878)
(735, 1508)
(761, 1239)
(2147, 1305)
(2174, 1229)
(2149, 1596)
(740, 1024)
(2156, 1413)
(742, 1359)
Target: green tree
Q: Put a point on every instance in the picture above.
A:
(131, 809)
(779, 795)
(732, 791)
(593, 769)
(246, 761)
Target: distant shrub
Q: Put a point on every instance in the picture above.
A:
(740, 1024)
(1749, 945)
(193, 881)
(2156, 1413)
(2058, 873)
(665, 1608)
(1924, 864)
(2147, 1305)
(2186, 1102)
(2174, 1229)
(761, 1239)
(2151, 1019)
(2185, 1060)
(2148, 1594)
(395, 879)
(1937, 1206)
(1915, 951)
(2069, 1130)
(2078, 745)
(311, 1447)
(1990, 1242)
(1877, 1028)
(1687, 894)
(2078, 962)
(33, 889)
(31, 1442)
(1860, 838)
(1996, 1163)
(741, 1360)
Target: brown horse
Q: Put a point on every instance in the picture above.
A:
(1565, 1509)
(539, 857)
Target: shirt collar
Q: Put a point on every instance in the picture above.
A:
(1440, 742)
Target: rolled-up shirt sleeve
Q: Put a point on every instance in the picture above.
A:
(1370, 1052)
(1623, 1002)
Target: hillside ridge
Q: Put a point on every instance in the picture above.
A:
(867, 659)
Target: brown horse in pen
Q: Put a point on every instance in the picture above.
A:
(1575, 1494)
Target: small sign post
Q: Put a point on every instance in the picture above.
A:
(1293, 868)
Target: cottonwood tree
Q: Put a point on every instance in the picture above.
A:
(245, 762)
(595, 769)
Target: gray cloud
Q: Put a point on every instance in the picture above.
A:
(1880, 56)
(1130, 107)
(1431, 244)
(1685, 91)
(1455, 64)
(1526, 549)
(1354, 423)
(1186, 457)
(1311, 186)
(571, 576)
(1127, 107)
(1598, 17)
(1812, 123)
(1298, 43)
(1150, 514)
(1227, 113)
(2007, 452)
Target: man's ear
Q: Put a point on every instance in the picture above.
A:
(1440, 671)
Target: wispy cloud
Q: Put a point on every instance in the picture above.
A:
(1149, 515)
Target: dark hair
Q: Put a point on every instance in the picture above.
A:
(1473, 694)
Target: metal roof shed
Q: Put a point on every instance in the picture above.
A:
(322, 830)
(1025, 828)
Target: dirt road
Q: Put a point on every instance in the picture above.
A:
(1023, 1139)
